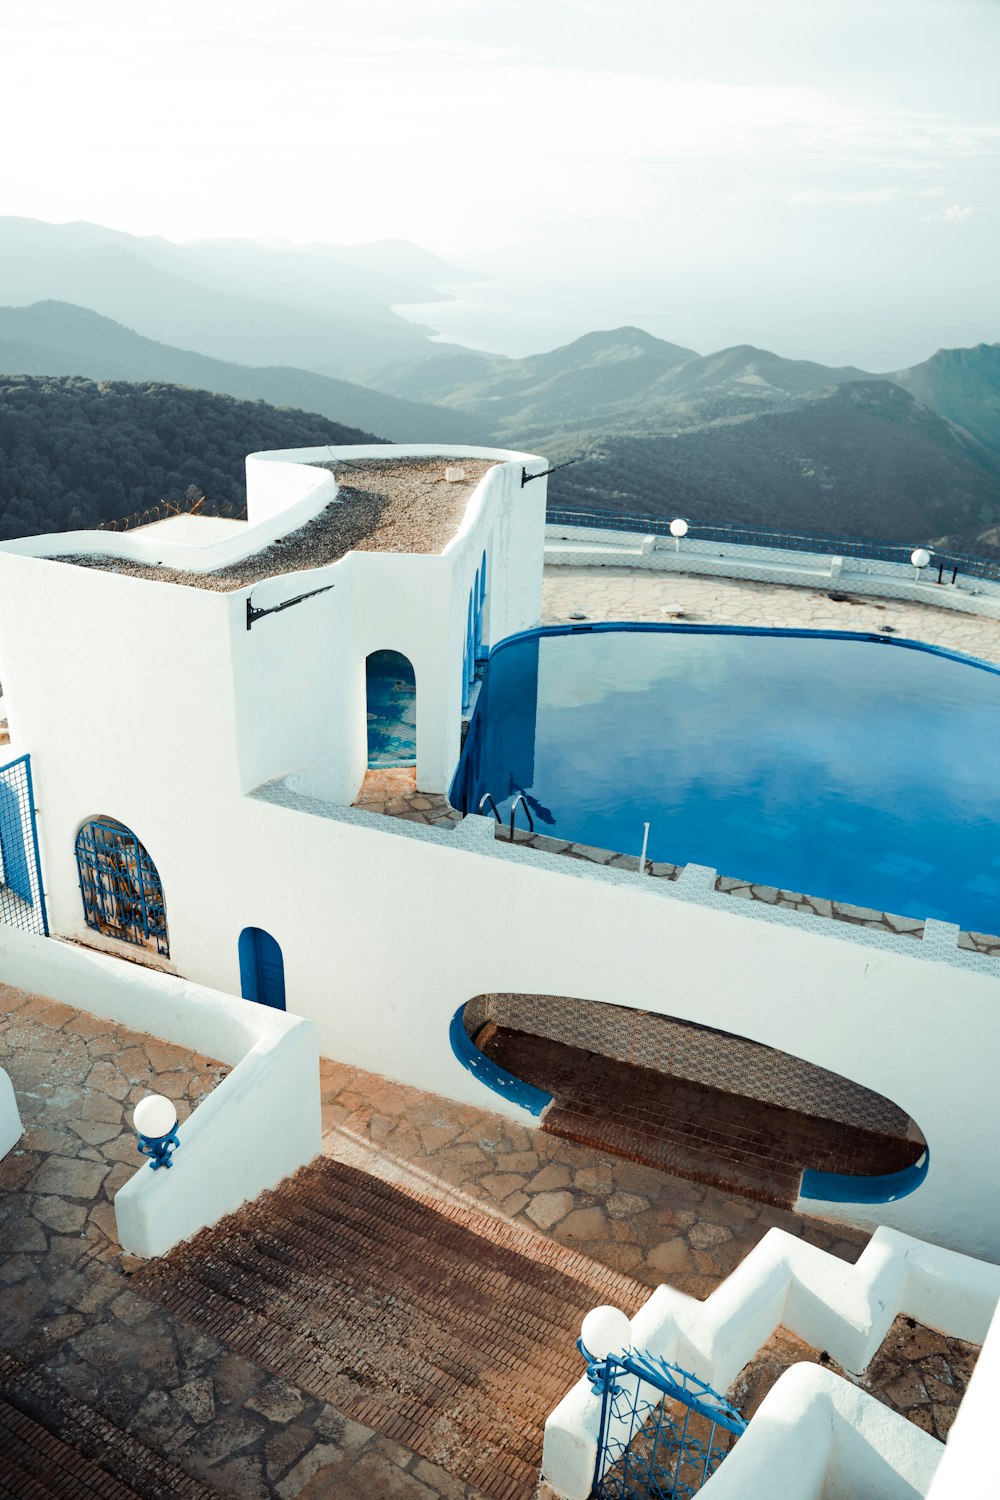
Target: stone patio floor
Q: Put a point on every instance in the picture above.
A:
(633, 594)
(69, 1313)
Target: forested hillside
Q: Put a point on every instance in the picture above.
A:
(74, 453)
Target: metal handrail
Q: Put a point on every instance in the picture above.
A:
(520, 798)
(773, 537)
(486, 797)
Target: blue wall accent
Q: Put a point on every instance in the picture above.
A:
(15, 856)
(840, 1187)
(262, 968)
(489, 1073)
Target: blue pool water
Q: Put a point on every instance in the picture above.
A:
(392, 710)
(846, 766)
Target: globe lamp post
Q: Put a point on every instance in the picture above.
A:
(155, 1122)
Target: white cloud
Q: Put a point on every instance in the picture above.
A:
(955, 213)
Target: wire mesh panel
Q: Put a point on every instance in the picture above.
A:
(22, 900)
(120, 886)
(663, 1432)
(769, 538)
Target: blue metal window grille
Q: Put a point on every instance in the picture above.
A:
(22, 899)
(121, 890)
(663, 1432)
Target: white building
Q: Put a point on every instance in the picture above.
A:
(195, 698)
(193, 694)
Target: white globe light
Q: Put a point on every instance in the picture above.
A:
(920, 557)
(154, 1116)
(605, 1331)
(679, 527)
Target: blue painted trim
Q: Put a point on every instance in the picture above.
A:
(34, 840)
(490, 1073)
(788, 632)
(840, 1187)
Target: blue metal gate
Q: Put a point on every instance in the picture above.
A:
(120, 886)
(22, 900)
(663, 1431)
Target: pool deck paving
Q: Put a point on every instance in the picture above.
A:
(602, 594)
(87, 1338)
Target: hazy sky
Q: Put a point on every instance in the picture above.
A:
(821, 178)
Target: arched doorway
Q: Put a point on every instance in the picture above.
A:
(691, 1100)
(391, 688)
(120, 886)
(262, 968)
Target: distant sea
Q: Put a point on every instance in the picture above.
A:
(509, 318)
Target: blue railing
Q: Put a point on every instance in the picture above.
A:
(22, 895)
(788, 541)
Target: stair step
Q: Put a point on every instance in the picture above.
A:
(55, 1447)
(444, 1328)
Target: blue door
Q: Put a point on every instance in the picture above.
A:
(262, 968)
(13, 855)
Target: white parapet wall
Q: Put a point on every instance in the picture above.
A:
(259, 1125)
(846, 1310)
(11, 1128)
(596, 547)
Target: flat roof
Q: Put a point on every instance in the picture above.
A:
(403, 505)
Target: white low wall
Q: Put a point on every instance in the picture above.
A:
(815, 1437)
(11, 1129)
(783, 1282)
(593, 547)
(260, 1124)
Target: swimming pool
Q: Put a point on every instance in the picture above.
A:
(851, 767)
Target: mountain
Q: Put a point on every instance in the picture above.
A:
(745, 435)
(74, 453)
(962, 385)
(56, 338)
(619, 380)
(315, 307)
(865, 459)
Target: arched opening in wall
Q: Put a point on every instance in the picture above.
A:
(120, 886)
(262, 968)
(692, 1101)
(392, 710)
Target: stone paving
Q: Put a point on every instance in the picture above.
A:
(634, 594)
(630, 1217)
(393, 792)
(68, 1311)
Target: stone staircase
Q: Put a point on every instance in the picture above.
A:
(53, 1447)
(445, 1329)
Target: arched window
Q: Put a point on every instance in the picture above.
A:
(120, 886)
(262, 968)
(392, 709)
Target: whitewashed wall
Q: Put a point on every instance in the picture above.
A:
(152, 703)
(846, 1310)
(258, 1125)
(11, 1128)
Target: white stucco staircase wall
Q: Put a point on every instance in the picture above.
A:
(844, 1309)
(11, 1128)
(258, 1125)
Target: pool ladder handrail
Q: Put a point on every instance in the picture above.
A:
(522, 799)
(519, 800)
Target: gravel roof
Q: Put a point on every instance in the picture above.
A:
(384, 505)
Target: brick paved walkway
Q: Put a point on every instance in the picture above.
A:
(439, 1326)
(689, 1129)
(632, 1218)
